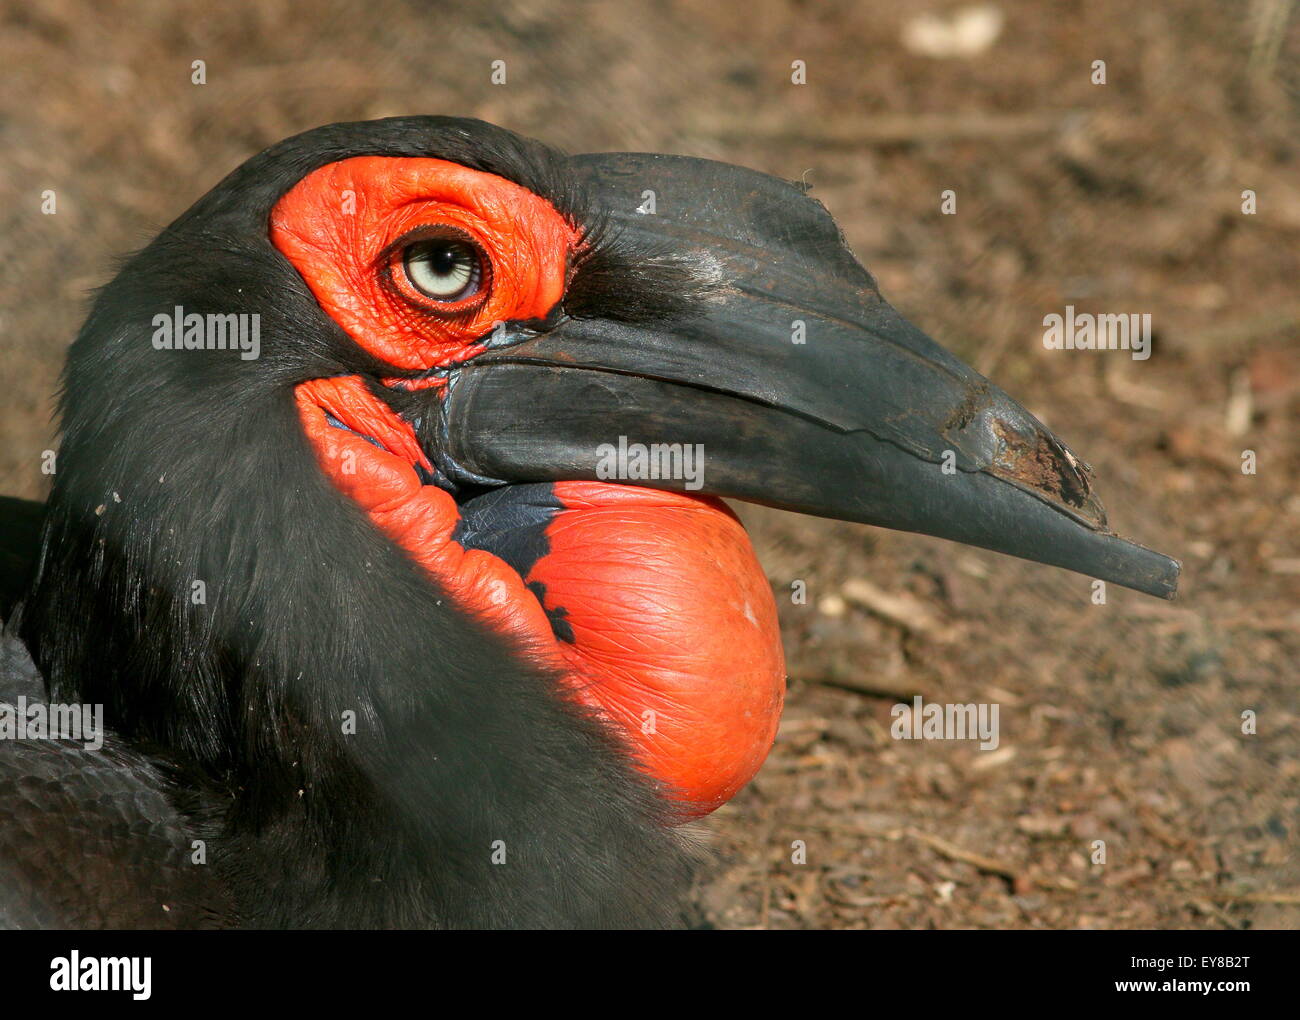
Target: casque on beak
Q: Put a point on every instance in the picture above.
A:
(805, 389)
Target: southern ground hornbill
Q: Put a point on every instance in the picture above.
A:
(376, 533)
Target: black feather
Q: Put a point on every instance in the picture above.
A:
(185, 467)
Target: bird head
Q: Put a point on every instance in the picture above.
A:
(487, 374)
(551, 307)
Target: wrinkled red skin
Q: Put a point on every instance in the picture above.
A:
(675, 637)
(337, 222)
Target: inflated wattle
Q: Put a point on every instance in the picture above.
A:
(675, 632)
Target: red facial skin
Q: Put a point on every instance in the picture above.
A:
(675, 633)
(339, 224)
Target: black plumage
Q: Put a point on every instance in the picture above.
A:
(180, 470)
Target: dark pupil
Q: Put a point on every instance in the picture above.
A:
(445, 257)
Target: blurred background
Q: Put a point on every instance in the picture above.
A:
(1120, 722)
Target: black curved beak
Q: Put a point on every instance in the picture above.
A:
(788, 381)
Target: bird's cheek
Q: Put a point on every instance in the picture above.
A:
(419, 519)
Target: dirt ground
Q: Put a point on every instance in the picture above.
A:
(1120, 722)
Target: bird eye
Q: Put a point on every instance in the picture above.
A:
(443, 269)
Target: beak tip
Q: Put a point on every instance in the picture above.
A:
(1149, 572)
(1175, 575)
